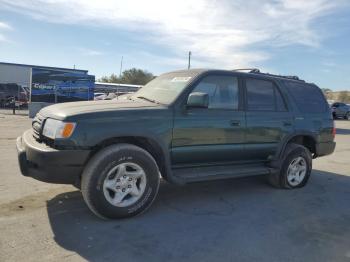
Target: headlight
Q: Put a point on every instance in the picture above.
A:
(57, 129)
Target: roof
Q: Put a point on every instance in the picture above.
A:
(45, 67)
(245, 72)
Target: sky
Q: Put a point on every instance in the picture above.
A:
(310, 39)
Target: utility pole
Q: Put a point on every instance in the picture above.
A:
(121, 67)
(189, 59)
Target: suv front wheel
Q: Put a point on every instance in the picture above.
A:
(120, 181)
(295, 168)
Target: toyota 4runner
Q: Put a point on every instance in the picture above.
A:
(184, 126)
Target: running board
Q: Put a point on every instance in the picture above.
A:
(196, 174)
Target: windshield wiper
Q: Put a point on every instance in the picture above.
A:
(148, 99)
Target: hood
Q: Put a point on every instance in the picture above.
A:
(64, 110)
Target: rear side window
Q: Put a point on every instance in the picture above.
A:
(263, 95)
(308, 98)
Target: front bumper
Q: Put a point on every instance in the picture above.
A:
(47, 164)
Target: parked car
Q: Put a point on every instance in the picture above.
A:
(111, 96)
(10, 92)
(340, 110)
(185, 126)
(99, 96)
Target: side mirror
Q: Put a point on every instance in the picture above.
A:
(198, 99)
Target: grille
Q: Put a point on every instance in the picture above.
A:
(37, 126)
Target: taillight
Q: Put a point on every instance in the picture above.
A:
(333, 131)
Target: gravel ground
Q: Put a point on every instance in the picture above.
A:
(229, 220)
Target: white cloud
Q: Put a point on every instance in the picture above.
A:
(222, 33)
(329, 64)
(89, 52)
(2, 38)
(4, 27)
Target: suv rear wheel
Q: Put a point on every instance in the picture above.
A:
(120, 181)
(295, 168)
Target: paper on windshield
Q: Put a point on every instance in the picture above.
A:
(181, 79)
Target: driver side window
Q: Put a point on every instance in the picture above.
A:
(222, 91)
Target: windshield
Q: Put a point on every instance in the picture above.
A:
(165, 88)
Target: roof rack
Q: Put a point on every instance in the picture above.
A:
(251, 70)
(257, 71)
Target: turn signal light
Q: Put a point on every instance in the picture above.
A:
(68, 130)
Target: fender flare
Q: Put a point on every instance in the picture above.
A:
(277, 159)
(156, 144)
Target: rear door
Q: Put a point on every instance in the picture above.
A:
(211, 135)
(268, 118)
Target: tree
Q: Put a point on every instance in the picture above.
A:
(136, 77)
(131, 76)
(326, 90)
(344, 97)
(110, 79)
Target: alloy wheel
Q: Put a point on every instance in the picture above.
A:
(296, 171)
(124, 184)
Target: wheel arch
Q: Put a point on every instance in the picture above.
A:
(159, 152)
(306, 139)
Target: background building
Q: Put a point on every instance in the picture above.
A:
(43, 85)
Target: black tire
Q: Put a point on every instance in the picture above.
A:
(97, 169)
(279, 179)
(77, 186)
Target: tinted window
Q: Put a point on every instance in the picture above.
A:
(308, 98)
(260, 95)
(263, 95)
(222, 91)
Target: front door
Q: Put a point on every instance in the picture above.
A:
(210, 135)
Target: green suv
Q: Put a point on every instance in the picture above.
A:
(184, 126)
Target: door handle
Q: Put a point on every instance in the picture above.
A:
(235, 123)
(287, 123)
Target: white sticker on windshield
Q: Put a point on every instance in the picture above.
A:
(181, 79)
